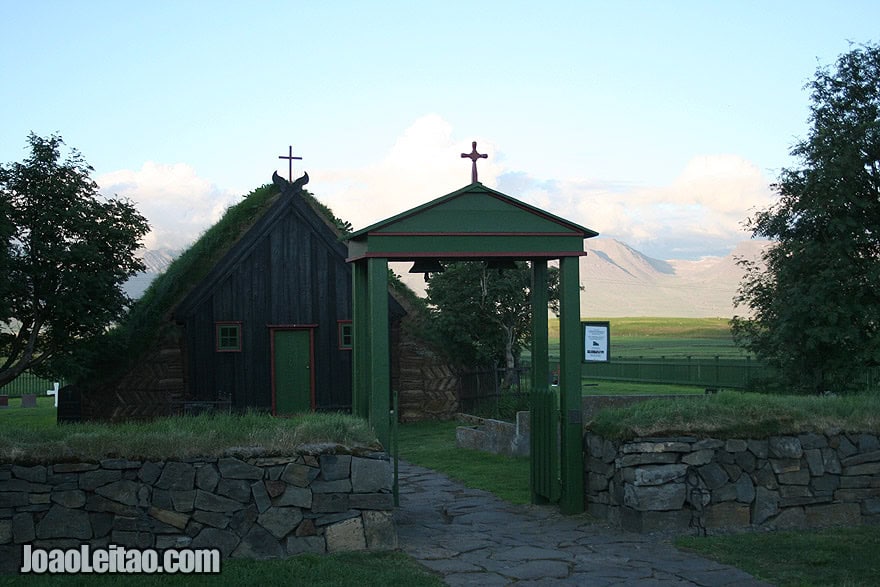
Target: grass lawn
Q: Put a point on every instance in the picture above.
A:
(841, 556)
(601, 387)
(432, 445)
(356, 568)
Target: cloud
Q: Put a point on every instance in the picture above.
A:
(177, 203)
(424, 163)
(700, 213)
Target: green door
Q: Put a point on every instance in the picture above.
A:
(292, 364)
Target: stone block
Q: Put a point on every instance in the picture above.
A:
(176, 541)
(713, 475)
(259, 543)
(660, 446)
(801, 477)
(149, 472)
(124, 492)
(699, 457)
(62, 522)
(275, 487)
(237, 489)
(335, 467)
(338, 486)
(176, 519)
(850, 482)
(207, 477)
(727, 515)
(868, 443)
(73, 467)
(294, 496)
(825, 484)
(91, 480)
(746, 461)
(815, 464)
(726, 492)
(845, 448)
(785, 447)
(213, 519)
(654, 474)
(23, 529)
(745, 489)
(280, 521)
(330, 502)
(766, 505)
(379, 530)
(299, 475)
(131, 539)
(831, 461)
(183, 501)
(652, 458)
(670, 496)
(242, 520)
(871, 507)
(120, 464)
(863, 469)
(371, 501)
(759, 448)
(810, 440)
(6, 534)
(653, 521)
(863, 457)
(835, 514)
(177, 475)
(346, 536)
(596, 483)
(305, 544)
(735, 445)
(35, 474)
(73, 498)
(216, 503)
(260, 496)
(232, 468)
(707, 444)
(785, 465)
(370, 475)
(789, 519)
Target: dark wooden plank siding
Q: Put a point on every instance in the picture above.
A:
(291, 274)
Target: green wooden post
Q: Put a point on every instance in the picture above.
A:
(360, 392)
(570, 355)
(378, 349)
(540, 371)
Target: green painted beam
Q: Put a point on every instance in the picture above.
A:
(570, 353)
(379, 349)
(360, 392)
(540, 371)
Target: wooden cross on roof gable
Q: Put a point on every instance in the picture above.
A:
(290, 159)
(473, 156)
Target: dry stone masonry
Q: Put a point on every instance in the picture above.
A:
(321, 501)
(702, 485)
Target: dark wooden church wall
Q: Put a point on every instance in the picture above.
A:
(291, 276)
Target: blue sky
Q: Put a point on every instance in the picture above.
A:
(657, 123)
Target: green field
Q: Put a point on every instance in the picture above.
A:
(652, 338)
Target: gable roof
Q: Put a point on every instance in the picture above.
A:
(474, 221)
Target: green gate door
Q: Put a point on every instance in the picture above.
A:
(292, 371)
(544, 437)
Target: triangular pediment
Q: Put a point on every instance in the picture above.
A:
(473, 221)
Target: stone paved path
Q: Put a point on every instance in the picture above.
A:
(471, 537)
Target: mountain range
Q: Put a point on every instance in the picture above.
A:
(617, 280)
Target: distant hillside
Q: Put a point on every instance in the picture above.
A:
(620, 281)
(156, 261)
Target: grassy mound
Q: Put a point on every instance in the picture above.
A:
(180, 437)
(740, 415)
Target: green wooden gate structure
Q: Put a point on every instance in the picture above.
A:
(479, 223)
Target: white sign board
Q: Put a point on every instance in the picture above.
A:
(597, 342)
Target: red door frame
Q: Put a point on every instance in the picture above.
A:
(273, 328)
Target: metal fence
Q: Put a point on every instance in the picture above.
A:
(29, 383)
(494, 393)
(719, 372)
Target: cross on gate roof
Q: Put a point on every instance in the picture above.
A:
(290, 159)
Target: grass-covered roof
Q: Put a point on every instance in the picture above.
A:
(150, 316)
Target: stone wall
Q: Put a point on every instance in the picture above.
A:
(704, 485)
(257, 507)
(495, 436)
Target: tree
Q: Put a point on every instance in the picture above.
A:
(483, 316)
(66, 253)
(814, 298)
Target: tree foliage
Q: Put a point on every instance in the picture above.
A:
(482, 316)
(814, 298)
(66, 253)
